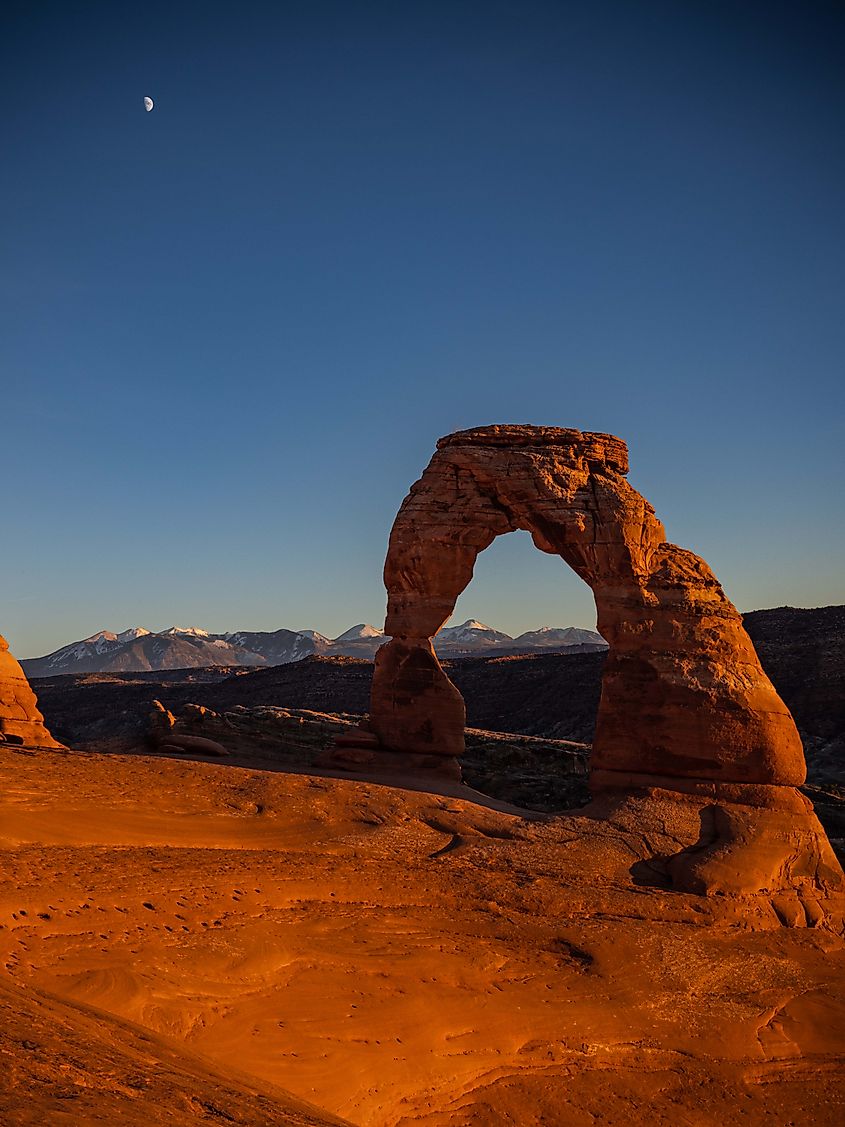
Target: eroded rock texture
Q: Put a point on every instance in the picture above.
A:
(20, 720)
(685, 706)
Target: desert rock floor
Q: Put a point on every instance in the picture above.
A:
(185, 942)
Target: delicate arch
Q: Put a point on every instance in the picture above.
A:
(683, 693)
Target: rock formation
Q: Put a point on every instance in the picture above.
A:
(685, 705)
(20, 720)
(166, 739)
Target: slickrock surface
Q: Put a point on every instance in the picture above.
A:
(20, 720)
(67, 1063)
(188, 942)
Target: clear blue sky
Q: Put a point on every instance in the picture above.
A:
(233, 328)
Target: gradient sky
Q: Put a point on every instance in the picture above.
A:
(233, 328)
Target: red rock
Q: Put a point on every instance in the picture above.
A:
(20, 720)
(357, 738)
(199, 744)
(685, 703)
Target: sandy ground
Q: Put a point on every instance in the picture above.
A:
(190, 942)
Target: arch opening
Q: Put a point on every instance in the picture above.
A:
(531, 703)
(517, 589)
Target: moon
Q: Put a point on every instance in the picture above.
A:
(148, 104)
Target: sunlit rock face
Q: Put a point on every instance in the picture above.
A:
(685, 704)
(20, 720)
(684, 694)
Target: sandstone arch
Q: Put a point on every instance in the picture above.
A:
(20, 720)
(683, 694)
(686, 711)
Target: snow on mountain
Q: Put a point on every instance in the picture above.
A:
(314, 635)
(548, 637)
(474, 637)
(101, 643)
(359, 632)
(471, 634)
(358, 641)
(278, 647)
(131, 634)
(137, 648)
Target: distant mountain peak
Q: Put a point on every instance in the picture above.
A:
(314, 635)
(137, 648)
(355, 633)
(95, 637)
(131, 633)
(471, 635)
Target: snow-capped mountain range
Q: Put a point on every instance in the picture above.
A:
(189, 647)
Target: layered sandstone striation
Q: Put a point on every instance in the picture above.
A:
(20, 720)
(685, 707)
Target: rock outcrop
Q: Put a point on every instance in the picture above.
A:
(685, 708)
(20, 720)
